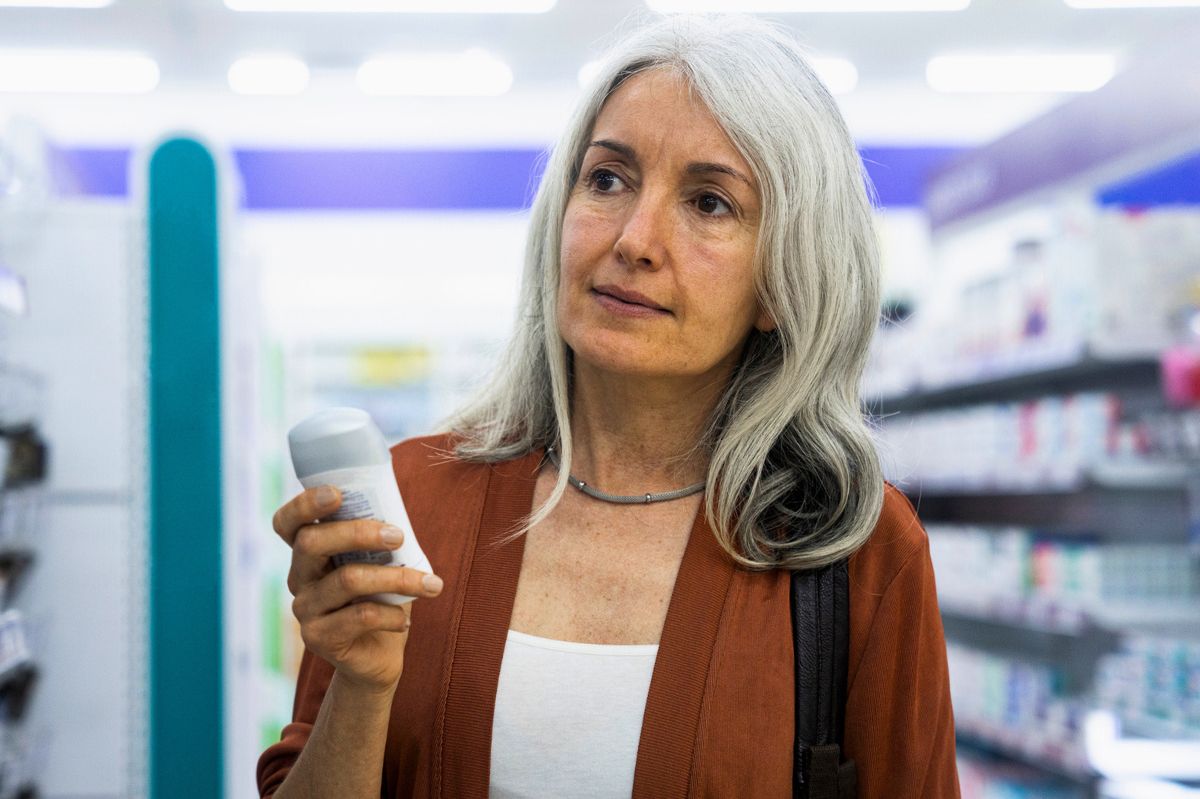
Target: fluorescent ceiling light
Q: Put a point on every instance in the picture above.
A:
(395, 6)
(839, 75)
(1019, 73)
(55, 3)
(805, 6)
(268, 74)
(77, 71)
(589, 71)
(470, 74)
(1131, 3)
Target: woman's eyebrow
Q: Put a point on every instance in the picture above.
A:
(699, 168)
(616, 147)
(705, 167)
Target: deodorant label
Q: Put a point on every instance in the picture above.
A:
(380, 557)
(355, 505)
(370, 492)
(361, 503)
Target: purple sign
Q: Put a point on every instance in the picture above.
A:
(1154, 103)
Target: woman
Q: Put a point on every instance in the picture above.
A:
(701, 289)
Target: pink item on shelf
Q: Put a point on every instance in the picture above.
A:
(1180, 370)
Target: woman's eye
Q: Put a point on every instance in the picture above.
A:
(712, 205)
(603, 179)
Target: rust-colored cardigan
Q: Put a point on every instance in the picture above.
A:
(719, 714)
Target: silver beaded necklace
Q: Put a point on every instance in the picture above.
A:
(626, 499)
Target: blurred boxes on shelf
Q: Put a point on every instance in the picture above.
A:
(1017, 707)
(1019, 575)
(1087, 281)
(1153, 685)
(1053, 442)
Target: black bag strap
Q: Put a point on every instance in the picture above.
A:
(821, 636)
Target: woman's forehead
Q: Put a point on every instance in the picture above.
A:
(657, 113)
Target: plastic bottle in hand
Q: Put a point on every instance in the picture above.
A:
(343, 447)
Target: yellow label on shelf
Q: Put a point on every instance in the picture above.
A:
(391, 365)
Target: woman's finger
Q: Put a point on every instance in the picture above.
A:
(335, 632)
(304, 508)
(355, 580)
(316, 543)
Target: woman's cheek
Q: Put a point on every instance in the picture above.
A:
(575, 248)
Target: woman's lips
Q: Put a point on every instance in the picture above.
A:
(627, 303)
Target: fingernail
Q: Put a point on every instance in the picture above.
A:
(392, 536)
(432, 582)
(326, 496)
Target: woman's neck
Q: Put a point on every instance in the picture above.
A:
(633, 435)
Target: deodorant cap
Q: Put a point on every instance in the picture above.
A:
(336, 438)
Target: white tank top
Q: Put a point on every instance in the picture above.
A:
(568, 718)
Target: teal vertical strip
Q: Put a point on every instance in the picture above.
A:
(186, 746)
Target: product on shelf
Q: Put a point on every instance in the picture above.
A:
(1106, 282)
(1017, 708)
(14, 647)
(24, 454)
(1172, 434)
(1019, 575)
(1050, 443)
(21, 511)
(984, 777)
(1153, 685)
(22, 758)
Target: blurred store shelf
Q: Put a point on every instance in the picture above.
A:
(1062, 759)
(1117, 756)
(1146, 789)
(1072, 620)
(1027, 407)
(984, 774)
(1157, 729)
(1111, 475)
(1024, 375)
(1129, 506)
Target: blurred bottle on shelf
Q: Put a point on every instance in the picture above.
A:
(1181, 361)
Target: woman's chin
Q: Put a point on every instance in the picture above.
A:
(621, 361)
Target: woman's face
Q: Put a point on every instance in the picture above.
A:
(658, 239)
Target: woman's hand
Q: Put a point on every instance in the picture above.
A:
(364, 641)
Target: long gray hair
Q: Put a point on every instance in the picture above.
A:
(794, 478)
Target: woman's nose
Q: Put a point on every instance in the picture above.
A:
(644, 238)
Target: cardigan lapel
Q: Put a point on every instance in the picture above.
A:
(464, 745)
(670, 726)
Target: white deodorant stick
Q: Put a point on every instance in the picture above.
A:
(343, 448)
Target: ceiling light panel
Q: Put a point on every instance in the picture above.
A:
(394, 6)
(268, 75)
(589, 72)
(1019, 73)
(55, 3)
(1132, 3)
(77, 71)
(839, 75)
(806, 6)
(471, 74)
